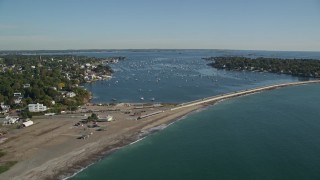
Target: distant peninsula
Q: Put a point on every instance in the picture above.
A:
(52, 80)
(295, 67)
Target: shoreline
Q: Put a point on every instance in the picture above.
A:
(242, 93)
(67, 174)
(213, 102)
(86, 154)
(108, 151)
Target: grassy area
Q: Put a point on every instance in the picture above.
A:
(6, 166)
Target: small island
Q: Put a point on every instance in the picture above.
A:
(295, 67)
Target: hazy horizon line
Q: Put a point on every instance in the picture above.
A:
(162, 49)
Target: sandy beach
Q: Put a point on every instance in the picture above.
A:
(50, 149)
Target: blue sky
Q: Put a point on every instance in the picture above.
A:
(139, 24)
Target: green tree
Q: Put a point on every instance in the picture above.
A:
(26, 114)
(93, 117)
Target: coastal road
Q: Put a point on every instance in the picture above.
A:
(239, 93)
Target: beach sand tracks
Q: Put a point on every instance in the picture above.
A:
(49, 130)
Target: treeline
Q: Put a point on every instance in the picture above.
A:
(295, 67)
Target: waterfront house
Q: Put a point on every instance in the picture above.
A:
(70, 94)
(115, 61)
(67, 94)
(90, 77)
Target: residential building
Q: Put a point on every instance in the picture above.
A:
(70, 94)
(26, 85)
(37, 107)
(17, 94)
(6, 120)
(17, 99)
(4, 108)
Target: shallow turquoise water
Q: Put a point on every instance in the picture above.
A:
(270, 135)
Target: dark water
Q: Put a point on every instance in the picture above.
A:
(270, 135)
(180, 75)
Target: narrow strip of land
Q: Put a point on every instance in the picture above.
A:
(240, 93)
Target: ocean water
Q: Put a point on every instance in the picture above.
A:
(269, 135)
(180, 75)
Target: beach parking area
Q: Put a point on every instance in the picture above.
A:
(55, 146)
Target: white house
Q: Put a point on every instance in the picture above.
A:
(9, 120)
(115, 61)
(26, 85)
(4, 108)
(17, 99)
(70, 94)
(37, 107)
(17, 94)
(13, 120)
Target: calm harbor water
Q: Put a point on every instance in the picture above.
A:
(270, 135)
(179, 76)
